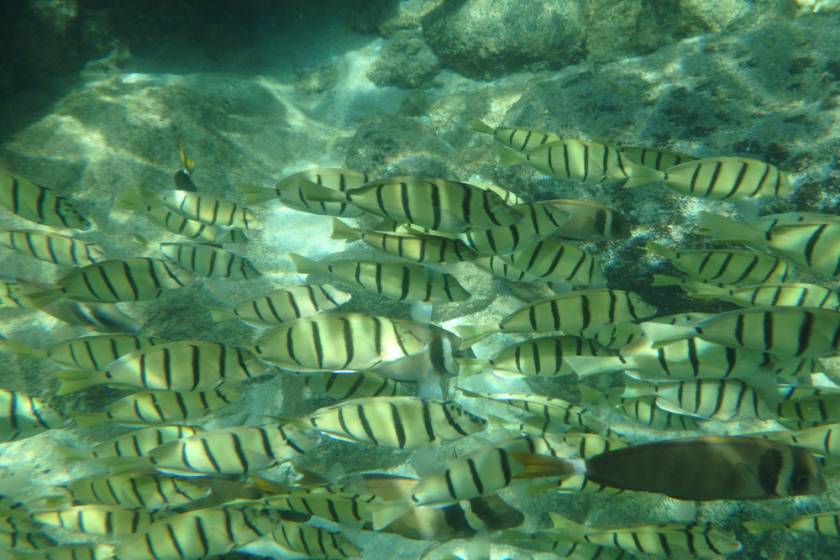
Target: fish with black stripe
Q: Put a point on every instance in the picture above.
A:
(824, 523)
(823, 440)
(149, 492)
(22, 416)
(557, 262)
(723, 178)
(160, 407)
(809, 411)
(293, 191)
(313, 542)
(556, 414)
(812, 244)
(210, 261)
(540, 221)
(426, 249)
(516, 138)
(660, 160)
(38, 204)
(98, 520)
(399, 281)
(588, 220)
(97, 351)
(183, 365)
(287, 304)
(398, 422)
(138, 443)
(208, 209)
(25, 543)
(572, 313)
(501, 268)
(13, 294)
(724, 266)
(51, 247)
(342, 386)
(641, 410)
(762, 295)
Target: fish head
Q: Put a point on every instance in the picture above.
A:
(806, 475)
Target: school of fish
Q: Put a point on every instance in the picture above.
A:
(685, 415)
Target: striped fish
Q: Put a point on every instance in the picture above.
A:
(398, 422)
(661, 160)
(210, 261)
(572, 313)
(293, 191)
(504, 270)
(98, 520)
(350, 511)
(540, 221)
(825, 523)
(800, 413)
(175, 223)
(417, 248)
(112, 281)
(148, 492)
(727, 178)
(183, 177)
(579, 484)
(719, 399)
(184, 365)
(287, 304)
(641, 410)
(367, 342)
(25, 543)
(438, 204)
(561, 546)
(823, 440)
(556, 414)
(770, 221)
(138, 443)
(516, 138)
(68, 552)
(96, 352)
(725, 266)
(665, 540)
(398, 281)
(51, 247)
(811, 244)
(208, 209)
(230, 451)
(615, 336)
(766, 295)
(551, 261)
(14, 295)
(537, 357)
(38, 204)
(160, 407)
(195, 535)
(785, 332)
(313, 542)
(342, 386)
(588, 220)
(22, 416)
(103, 317)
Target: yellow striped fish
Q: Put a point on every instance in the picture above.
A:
(438, 204)
(561, 546)
(103, 317)
(537, 357)
(210, 261)
(556, 414)
(416, 248)
(824, 440)
(357, 385)
(641, 410)
(98, 520)
(398, 281)
(96, 352)
(184, 365)
(229, 451)
(588, 220)
(786, 332)
(111, 281)
(38, 204)
(313, 542)
(799, 413)
(516, 138)
(148, 492)
(195, 535)
(660, 160)
(25, 543)
(347, 510)
(719, 399)
(399, 422)
(572, 313)
(725, 266)
(503, 269)
(763, 295)
(51, 247)
(541, 220)
(138, 443)
(293, 191)
(160, 407)
(811, 244)
(287, 304)
(825, 523)
(68, 552)
(22, 416)
(727, 178)
(366, 342)
(208, 209)
(14, 294)
(769, 221)
(551, 261)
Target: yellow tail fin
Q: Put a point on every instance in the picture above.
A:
(306, 266)
(480, 126)
(73, 380)
(343, 231)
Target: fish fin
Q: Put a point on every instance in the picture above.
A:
(23, 349)
(673, 408)
(421, 312)
(44, 298)
(481, 127)
(233, 236)
(471, 366)
(386, 513)
(306, 266)
(566, 525)
(187, 163)
(73, 380)
(667, 280)
(219, 314)
(127, 465)
(320, 193)
(586, 366)
(429, 387)
(660, 250)
(60, 500)
(472, 334)
(74, 454)
(539, 466)
(660, 334)
(726, 229)
(496, 423)
(90, 419)
(636, 388)
(341, 230)
(134, 199)
(641, 175)
(591, 395)
(509, 157)
(761, 526)
(254, 194)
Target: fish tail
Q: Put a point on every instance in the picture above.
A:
(60, 500)
(480, 126)
(104, 552)
(660, 334)
(761, 526)
(306, 266)
(472, 334)
(509, 157)
(73, 380)
(219, 314)
(539, 466)
(725, 229)
(90, 419)
(639, 175)
(253, 194)
(233, 235)
(23, 349)
(42, 299)
(566, 525)
(660, 250)
(386, 513)
(586, 366)
(635, 388)
(186, 162)
(127, 465)
(667, 280)
(471, 366)
(343, 231)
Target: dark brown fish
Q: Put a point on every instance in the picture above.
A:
(710, 468)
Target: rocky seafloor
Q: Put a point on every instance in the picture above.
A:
(102, 100)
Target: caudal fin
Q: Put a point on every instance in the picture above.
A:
(254, 194)
(660, 334)
(343, 231)
(641, 175)
(725, 229)
(306, 266)
(219, 314)
(480, 126)
(509, 157)
(73, 380)
(586, 366)
(472, 334)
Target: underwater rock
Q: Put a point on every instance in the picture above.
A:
(406, 62)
